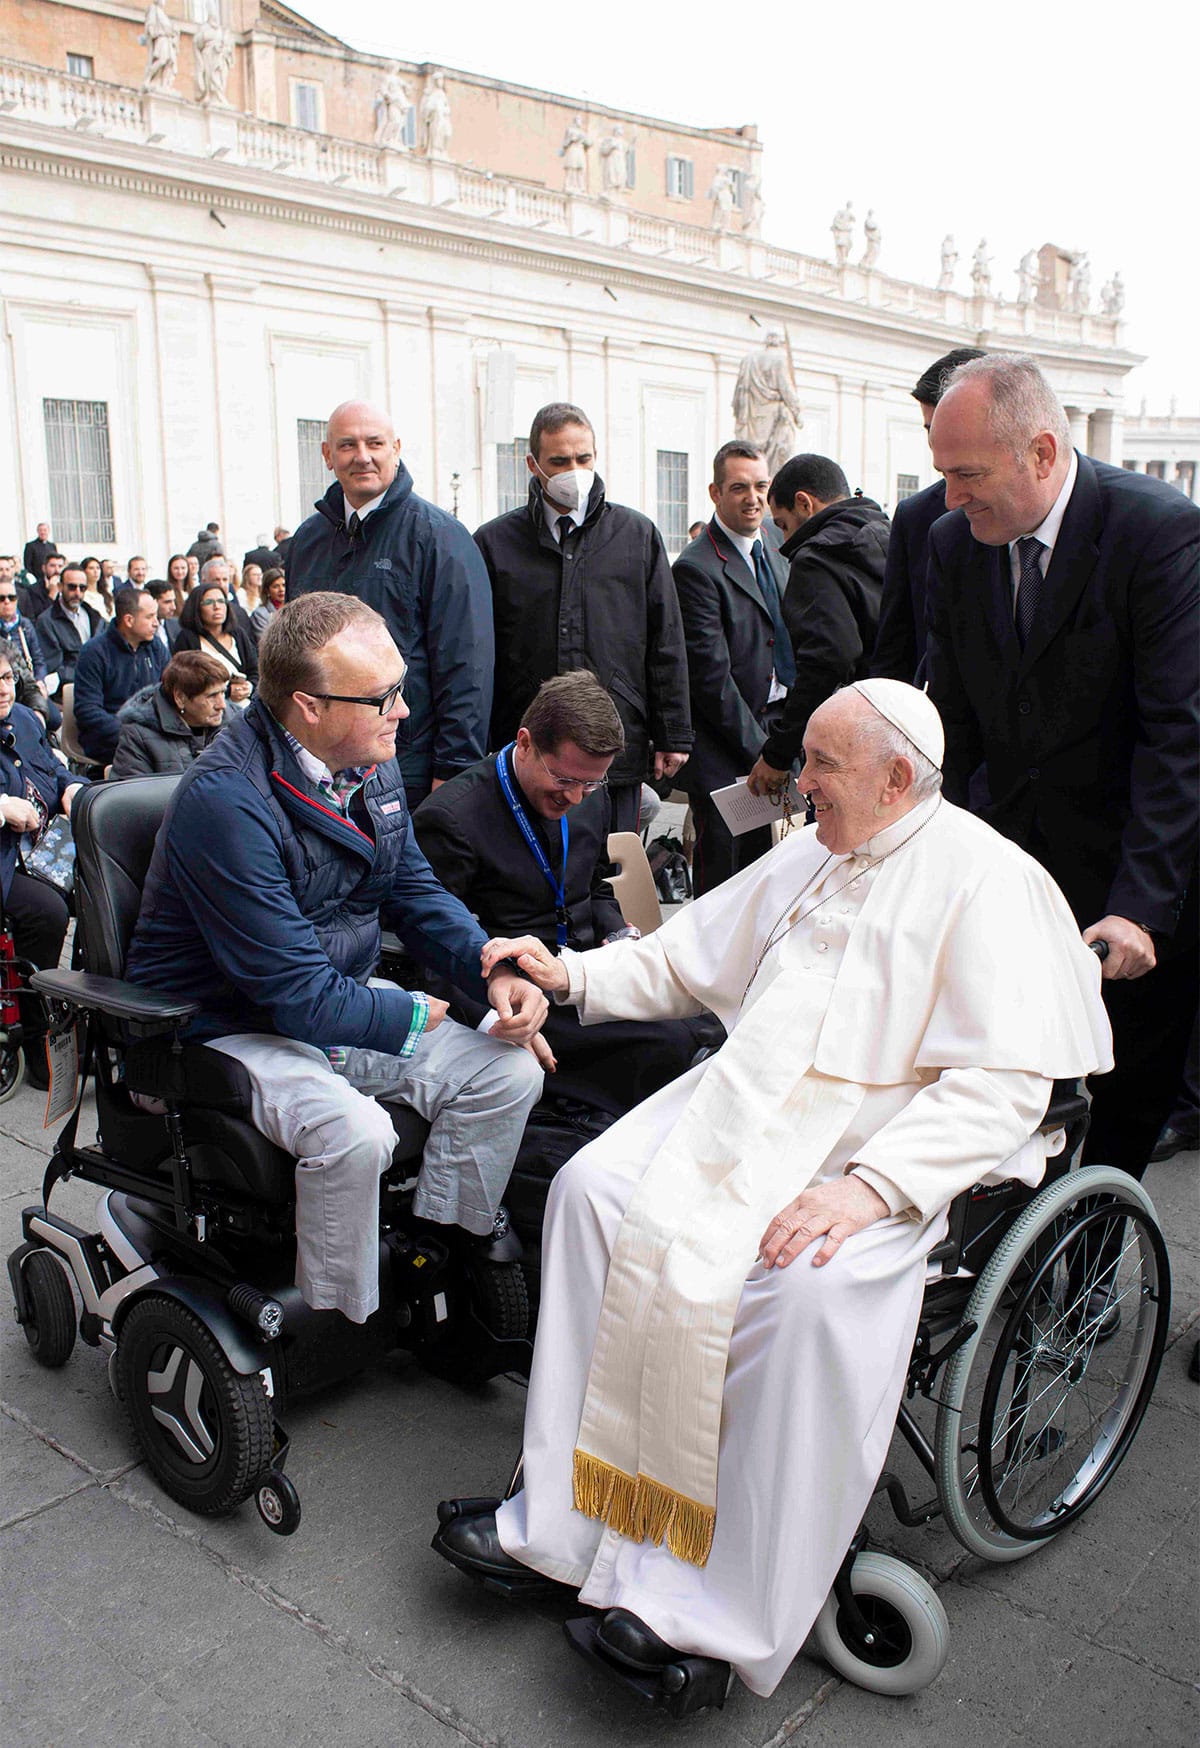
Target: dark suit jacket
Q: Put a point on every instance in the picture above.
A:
(475, 847)
(900, 640)
(1089, 735)
(730, 649)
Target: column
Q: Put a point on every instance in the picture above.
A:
(1104, 436)
(1078, 420)
(239, 393)
(454, 398)
(185, 367)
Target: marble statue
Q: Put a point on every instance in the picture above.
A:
(843, 233)
(981, 270)
(723, 196)
(1112, 296)
(213, 49)
(752, 217)
(766, 407)
(1028, 274)
(573, 152)
(872, 237)
(1079, 285)
(161, 37)
(949, 263)
(435, 119)
(392, 104)
(613, 149)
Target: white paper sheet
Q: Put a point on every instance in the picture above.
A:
(742, 811)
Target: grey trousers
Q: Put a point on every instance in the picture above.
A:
(474, 1091)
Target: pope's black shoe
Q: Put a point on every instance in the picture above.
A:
(473, 1545)
(626, 1639)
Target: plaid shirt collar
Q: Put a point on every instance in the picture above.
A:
(337, 787)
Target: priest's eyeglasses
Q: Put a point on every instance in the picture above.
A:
(565, 782)
(383, 703)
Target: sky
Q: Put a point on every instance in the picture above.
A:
(1058, 122)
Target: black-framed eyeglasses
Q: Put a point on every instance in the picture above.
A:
(565, 782)
(383, 703)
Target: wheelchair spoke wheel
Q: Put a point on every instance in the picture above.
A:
(1039, 1408)
(12, 1071)
(908, 1636)
(205, 1429)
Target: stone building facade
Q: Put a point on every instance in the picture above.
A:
(188, 288)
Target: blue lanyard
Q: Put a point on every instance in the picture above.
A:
(557, 887)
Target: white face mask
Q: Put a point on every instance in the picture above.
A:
(570, 490)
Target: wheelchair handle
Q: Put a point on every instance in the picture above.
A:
(1100, 948)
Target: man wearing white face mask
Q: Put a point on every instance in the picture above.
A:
(578, 582)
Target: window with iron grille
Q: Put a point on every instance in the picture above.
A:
(80, 66)
(681, 178)
(907, 486)
(314, 475)
(673, 498)
(80, 466)
(512, 476)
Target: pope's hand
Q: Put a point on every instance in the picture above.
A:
(838, 1210)
(535, 960)
(764, 779)
(521, 1009)
(1130, 949)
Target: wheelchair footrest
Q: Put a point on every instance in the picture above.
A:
(683, 1686)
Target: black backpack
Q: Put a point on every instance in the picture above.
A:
(668, 864)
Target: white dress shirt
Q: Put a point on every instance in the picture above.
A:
(1046, 532)
(553, 511)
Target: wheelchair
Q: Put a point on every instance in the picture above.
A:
(1040, 1337)
(187, 1282)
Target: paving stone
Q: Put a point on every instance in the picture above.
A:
(35, 1476)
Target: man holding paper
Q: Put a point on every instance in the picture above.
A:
(730, 584)
(733, 1273)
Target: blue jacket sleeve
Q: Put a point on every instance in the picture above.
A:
(224, 851)
(437, 928)
(456, 601)
(99, 729)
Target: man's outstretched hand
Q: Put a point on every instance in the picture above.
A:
(535, 960)
(838, 1210)
(521, 1009)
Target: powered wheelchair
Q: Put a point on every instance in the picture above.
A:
(1041, 1333)
(186, 1284)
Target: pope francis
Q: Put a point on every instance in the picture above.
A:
(732, 1274)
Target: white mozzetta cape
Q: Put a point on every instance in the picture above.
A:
(964, 955)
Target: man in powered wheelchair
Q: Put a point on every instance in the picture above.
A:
(734, 1287)
(263, 1104)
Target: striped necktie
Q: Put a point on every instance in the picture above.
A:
(1029, 586)
(354, 526)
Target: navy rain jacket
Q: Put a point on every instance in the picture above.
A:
(419, 568)
(264, 904)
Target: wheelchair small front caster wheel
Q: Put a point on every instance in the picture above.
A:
(278, 1504)
(907, 1638)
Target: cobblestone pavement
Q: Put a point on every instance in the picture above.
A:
(130, 1622)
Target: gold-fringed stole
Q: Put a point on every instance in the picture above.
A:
(643, 1509)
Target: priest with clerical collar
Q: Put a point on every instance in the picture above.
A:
(733, 1273)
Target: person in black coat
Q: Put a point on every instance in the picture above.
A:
(34, 787)
(730, 584)
(835, 548)
(165, 728)
(38, 550)
(556, 769)
(900, 641)
(579, 582)
(66, 626)
(1064, 625)
(373, 537)
(206, 624)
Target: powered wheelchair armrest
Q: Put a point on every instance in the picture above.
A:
(146, 1013)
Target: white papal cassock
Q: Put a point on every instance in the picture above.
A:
(951, 983)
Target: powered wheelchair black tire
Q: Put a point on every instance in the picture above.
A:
(206, 1430)
(50, 1325)
(909, 1631)
(12, 1071)
(1039, 1407)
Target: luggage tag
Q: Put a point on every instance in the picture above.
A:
(62, 1061)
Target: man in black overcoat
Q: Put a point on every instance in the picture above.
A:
(1063, 652)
